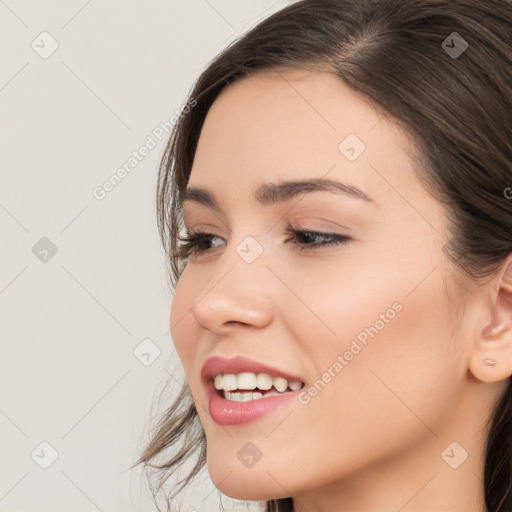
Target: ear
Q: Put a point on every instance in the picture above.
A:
(491, 358)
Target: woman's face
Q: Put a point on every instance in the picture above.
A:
(366, 325)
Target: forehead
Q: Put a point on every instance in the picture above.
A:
(293, 124)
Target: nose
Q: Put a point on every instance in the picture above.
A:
(237, 293)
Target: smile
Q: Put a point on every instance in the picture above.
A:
(248, 386)
(242, 390)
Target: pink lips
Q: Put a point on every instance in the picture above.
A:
(227, 412)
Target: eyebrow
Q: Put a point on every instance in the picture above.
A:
(272, 193)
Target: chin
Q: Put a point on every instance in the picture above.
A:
(244, 483)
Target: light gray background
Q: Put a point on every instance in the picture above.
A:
(72, 321)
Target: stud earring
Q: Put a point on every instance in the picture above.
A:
(490, 362)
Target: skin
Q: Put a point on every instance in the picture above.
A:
(372, 439)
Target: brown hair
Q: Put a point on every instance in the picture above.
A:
(456, 107)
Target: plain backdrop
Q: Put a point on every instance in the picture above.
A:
(84, 298)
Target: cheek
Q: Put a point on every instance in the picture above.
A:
(396, 360)
(389, 292)
(395, 340)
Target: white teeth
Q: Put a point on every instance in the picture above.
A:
(280, 384)
(244, 397)
(246, 381)
(263, 381)
(218, 381)
(229, 382)
(294, 385)
(250, 381)
(241, 397)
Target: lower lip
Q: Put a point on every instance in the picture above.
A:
(227, 412)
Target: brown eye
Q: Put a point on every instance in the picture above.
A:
(302, 236)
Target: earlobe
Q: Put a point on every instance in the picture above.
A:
(492, 363)
(491, 359)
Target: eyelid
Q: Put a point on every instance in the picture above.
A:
(204, 219)
(323, 213)
(321, 223)
(325, 224)
(293, 232)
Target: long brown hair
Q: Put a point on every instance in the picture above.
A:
(441, 69)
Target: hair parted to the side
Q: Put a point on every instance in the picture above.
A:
(458, 112)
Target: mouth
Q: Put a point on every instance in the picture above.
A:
(241, 390)
(248, 386)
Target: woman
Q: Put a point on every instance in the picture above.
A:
(343, 289)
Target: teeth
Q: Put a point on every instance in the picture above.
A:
(294, 385)
(263, 381)
(250, 381)
(238, 397)
(244, 397)
(246, 381)
(229, 382)
(279, 383)
(218, 381)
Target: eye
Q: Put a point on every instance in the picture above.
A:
(194, 242)
(300, 236)
(197, 242)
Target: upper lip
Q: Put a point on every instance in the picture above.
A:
(216, 365)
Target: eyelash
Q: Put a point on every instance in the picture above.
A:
(193, 239)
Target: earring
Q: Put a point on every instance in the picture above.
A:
(490, 362)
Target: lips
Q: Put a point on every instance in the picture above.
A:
(227, 412)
